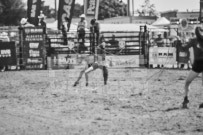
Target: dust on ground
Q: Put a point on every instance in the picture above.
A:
(135, 102)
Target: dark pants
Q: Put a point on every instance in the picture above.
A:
(94, 39)
(81, 36)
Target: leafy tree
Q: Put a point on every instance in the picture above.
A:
(147, 9)
(12, 12)
(49, 12)
(107, 9)
(112, 8)
(78, 10)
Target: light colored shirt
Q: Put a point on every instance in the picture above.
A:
(82, 25)
(28, 25)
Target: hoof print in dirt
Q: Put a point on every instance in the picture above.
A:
(98, 118)
(134, 95)
(55, 95)
(172, 109)
(126, 106)
(198, 130)
(201, 106)
(181, 78)
(94, 91)
(106, 108)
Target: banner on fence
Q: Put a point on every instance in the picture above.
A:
(33, 48)
(63, 61)
(8, 54)
(33, 11)
(182, 55)
(124, 61)
(162, 55)
(65, 9)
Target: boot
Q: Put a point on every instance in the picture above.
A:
(185, 102)
(201, 106)
(105, 75)
(75, 84)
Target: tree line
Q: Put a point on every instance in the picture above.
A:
(11, 11)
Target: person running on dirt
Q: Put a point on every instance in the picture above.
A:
(91, 65)
(197, 66)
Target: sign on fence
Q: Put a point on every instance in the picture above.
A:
(182, 55)
(7, 53)
(124, 61)
(63, 61)
(33, 48)
(162, 55)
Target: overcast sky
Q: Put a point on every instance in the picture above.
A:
(161, 5)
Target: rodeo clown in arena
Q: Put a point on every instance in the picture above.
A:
(197, 64)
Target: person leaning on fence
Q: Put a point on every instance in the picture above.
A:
(91, 65)
(24, 23)
(114, 42)
(197, 66)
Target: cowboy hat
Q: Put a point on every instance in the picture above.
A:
(82, 16)
(41, 16)
(199, 32)
(159, 33)
(23, 21)
(4, 34)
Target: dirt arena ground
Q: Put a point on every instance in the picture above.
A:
(135, 102)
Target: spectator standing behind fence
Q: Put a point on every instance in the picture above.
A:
(42, 22)
(4, 37)
(159, 41)
(152, 40)
(114, 43)
(95, 30)
(166, 40)
(82, 24)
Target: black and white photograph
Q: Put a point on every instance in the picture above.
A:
(101, 67)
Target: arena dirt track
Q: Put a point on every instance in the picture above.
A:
(135, 102)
